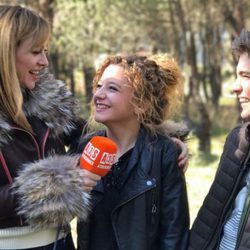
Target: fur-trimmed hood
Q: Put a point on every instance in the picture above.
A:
(174, 129)
(49, 101)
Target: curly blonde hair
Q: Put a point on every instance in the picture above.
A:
(157, 84)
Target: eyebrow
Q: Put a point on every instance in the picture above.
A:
(113, 80)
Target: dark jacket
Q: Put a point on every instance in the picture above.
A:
(207, 228)
(152, 212)
(52, 113)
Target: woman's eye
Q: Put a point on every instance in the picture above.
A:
(39, 51)
(113, 88)
(36, 52)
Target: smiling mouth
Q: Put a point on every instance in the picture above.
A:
(101, 106)
(243, 100)
(35, 72)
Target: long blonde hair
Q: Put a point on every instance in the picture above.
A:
(16, 25)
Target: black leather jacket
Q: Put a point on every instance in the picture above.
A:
(153, 210)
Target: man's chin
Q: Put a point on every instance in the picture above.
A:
(245, 118)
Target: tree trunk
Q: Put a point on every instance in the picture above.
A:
(203, 129)
(72, 80)
(54, 65)
(88, 73)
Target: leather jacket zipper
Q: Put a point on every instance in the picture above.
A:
(113, 224)
(153, 209)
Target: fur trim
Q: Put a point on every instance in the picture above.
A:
(173, 129)
(51, 102)
(50, 192)
(4, 131)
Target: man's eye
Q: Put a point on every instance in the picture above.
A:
(246, 76)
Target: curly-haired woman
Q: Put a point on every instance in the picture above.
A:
(142, 202)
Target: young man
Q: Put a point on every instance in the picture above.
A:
(223, 221)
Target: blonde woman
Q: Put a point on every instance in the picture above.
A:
(40, 190)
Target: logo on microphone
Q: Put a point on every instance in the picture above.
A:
(91, 151)
(90, 154)
(108, 159)
(99, 155)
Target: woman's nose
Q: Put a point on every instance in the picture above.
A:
(99, 93)
(43, 60)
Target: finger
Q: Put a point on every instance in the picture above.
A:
(182, 146)
(185, 163)
(89, 182)
(89, 175)
(88, 189)
(184, 167)
(184, 151)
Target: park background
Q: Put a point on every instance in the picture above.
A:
(198, 33)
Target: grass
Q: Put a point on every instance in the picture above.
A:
(202, 168)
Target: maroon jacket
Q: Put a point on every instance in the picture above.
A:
(51, 111)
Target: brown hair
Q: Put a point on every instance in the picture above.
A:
(16, 25)
(157, 85)
(241, 44)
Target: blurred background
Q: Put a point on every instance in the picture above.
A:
(197, 33)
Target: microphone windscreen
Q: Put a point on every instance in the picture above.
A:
(99, 155)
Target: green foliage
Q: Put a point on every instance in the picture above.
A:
(82, 30)
(74, 31)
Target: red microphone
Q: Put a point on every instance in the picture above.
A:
(99, 155)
